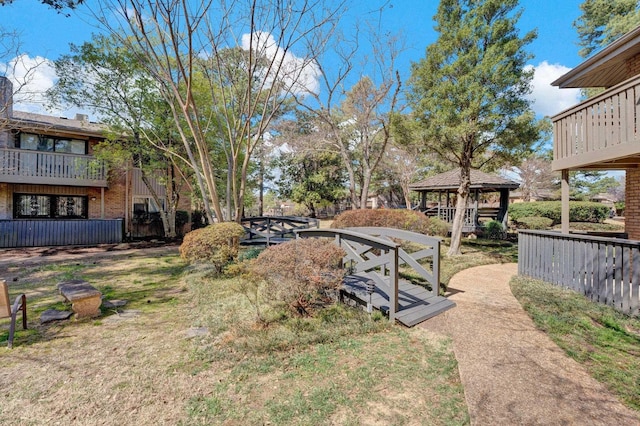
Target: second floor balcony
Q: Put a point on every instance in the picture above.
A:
(601, 132)
(48, 168)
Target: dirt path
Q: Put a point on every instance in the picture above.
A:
(513, 373)
(44, 255)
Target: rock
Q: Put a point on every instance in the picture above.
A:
(51, 315)
(124, 315)
(196, 332)
(113, 304)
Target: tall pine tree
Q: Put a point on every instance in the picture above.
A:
(468, 93)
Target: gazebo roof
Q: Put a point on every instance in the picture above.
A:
(449, 181)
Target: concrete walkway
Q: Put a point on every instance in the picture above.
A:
(512, 373)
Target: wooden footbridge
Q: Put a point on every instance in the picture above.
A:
(375, 261)
(268, 230)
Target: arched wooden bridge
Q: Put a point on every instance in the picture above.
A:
(375, 261)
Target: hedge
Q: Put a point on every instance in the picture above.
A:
(404, 219)
(579, 211)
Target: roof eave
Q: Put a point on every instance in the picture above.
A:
(624, 43)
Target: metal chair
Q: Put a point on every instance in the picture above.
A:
(7, 310)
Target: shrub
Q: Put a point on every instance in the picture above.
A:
(579, 211)
(302, 275)
(407, 220)
(198, 219)
(182, 218)
(534, 222)
(217, 244)
(494, 230)
(619, 208)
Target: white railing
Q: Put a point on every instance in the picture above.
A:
(21, 166)
(600, 129)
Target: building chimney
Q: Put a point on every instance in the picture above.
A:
(6, 97)
(82, 117)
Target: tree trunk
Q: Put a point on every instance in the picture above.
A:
(407, 198)
(461, 207)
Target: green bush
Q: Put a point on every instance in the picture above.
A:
(217, 244)
(407, 220)
(534, 222)
(494, 230)
(619, 208)
(579, 211)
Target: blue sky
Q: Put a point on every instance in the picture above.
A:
(44, 34)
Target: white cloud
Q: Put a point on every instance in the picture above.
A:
(550, 100)
(300, 75)
(31, 78)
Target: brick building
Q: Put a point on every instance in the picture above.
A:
(53, 191)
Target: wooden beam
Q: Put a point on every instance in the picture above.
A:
(565, 202)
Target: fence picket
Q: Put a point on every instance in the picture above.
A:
(604, 270)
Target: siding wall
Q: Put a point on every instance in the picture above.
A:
(38, 233)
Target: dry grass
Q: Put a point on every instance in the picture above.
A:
(142, 369)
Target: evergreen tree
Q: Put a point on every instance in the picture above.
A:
(603, 21)
(468, 93)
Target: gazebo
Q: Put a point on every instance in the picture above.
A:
(489, 197)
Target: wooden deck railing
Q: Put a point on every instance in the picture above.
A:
(52, 232)
(599, 129)
(22, 166)
(606, 270)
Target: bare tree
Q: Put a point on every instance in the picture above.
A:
(175, 38)
(18, 70)
(535, 176)
(359, 127)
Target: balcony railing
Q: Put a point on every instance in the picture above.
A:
(602, 130)
(34, 167)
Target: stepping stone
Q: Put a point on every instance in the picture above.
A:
(113, 304)
(196, 332)
(124, 315)
(51, 315)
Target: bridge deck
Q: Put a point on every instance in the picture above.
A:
(415, 303)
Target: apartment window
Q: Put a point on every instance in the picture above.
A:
(34, 142)
(145, 205)
(145, 210)
(38, 206)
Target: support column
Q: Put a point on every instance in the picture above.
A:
(565, 202)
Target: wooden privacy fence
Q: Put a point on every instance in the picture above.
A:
(275, 229)
(373, 260)
(50, 232)
(606, 270)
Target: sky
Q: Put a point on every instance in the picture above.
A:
(45, 35)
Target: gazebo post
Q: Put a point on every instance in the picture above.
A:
(504, 206)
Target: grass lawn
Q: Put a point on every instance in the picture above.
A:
(144, 365)
(606, 342)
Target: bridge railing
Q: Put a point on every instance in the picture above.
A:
(376, 253)
(275, 228)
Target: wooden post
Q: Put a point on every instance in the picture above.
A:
(565, 202)
(393, 284)
(435, 290)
